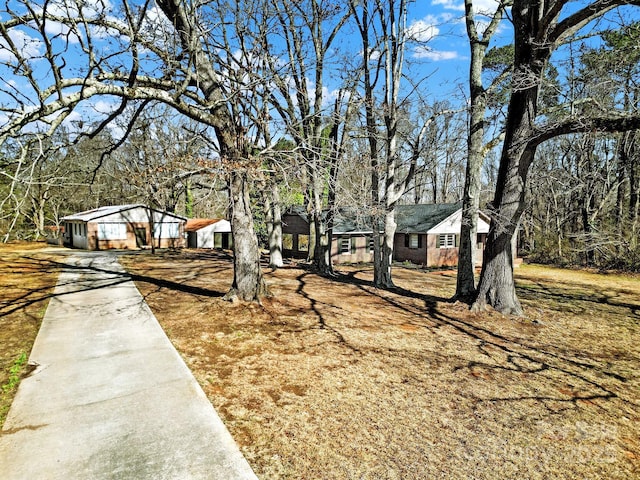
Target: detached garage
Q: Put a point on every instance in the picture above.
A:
(209, 233)
(123, 227)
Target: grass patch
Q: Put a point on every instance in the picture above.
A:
(27, 276)
(14, 373)
(336, 379)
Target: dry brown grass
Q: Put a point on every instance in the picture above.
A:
(333, 379)
(27, 277)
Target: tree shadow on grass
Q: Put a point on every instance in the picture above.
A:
(521, 357)
(108, 277)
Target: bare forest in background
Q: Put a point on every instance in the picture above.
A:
(271, 109)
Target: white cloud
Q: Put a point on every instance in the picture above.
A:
(104, 107)
(374, 54)
(449, 4)
(72, 120)
(482, 7)
(434, 55)
(423, 30)
(69, 8)
(27, 47)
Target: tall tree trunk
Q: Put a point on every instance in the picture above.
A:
(496, 286)
(621, 180)
(322, 250)
(466, 284)
(382, 267)
(478, 42)
(248, 281)
(632, 160)
(273, 213)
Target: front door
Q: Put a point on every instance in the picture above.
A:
(141, 237)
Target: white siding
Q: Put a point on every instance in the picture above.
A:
(206, 234)
(452, 223)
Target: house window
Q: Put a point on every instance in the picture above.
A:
(166, 230)
(345, 245)
(370, 239)
(413, 240)
(287, 241)
(112, 231)
(446, 240)
(303, 243)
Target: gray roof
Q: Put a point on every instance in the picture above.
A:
(422, 218)
(410, 218)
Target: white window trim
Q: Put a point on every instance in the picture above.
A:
(447, 240)
(166, 230)
(348, 244)
(112, 231)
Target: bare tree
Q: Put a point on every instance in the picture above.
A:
(309, 29)
(393, 157)
(476, 148)
(165, 52)
(538, 30)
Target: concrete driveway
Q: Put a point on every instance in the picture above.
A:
(111, 398)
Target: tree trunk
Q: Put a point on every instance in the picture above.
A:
(496, 286)
(629, 148)
(322, 251)
(382, 265)
(466, 283)
(478, 43)
(274, 225)
(248, 282)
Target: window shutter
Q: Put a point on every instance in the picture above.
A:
(420, 241)
(457, 240)
(406, 240)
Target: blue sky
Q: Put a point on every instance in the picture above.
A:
(441, 57)
(445, 55)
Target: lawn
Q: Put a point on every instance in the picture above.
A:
(333, 379)
(27, 277)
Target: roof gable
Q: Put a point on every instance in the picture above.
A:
(195, 224)
(115, 210)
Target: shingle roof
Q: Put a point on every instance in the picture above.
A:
(409, 218)
(422, 218)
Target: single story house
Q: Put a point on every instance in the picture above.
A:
(209, 233)
(123, 227)
(426, 235)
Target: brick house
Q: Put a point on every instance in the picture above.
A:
(426, 235)
(123, 227)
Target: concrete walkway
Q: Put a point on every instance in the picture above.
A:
(111, 398)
